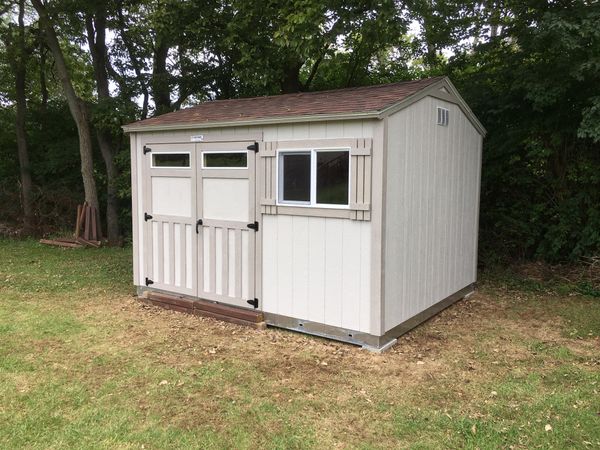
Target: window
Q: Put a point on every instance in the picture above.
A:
(295, 170)
(171, 160)
(332, 177)
(318, 177)
(225, 160)
(442, 116)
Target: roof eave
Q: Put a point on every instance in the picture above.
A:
(264, 121)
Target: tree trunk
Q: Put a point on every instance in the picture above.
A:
(290, 83)
(96, 36)
(77, 106)
(160, 78)
(20, 74)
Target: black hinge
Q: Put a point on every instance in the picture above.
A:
(253, 147)
(253, 226)
(147, 149)
(147, 217)
(149, 281)
(198, 223)
(253, 302)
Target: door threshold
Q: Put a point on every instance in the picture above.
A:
(204, 308)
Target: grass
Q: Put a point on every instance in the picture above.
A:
(83, 365)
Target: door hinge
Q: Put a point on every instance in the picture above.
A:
(149, 281)
(147, 217)
(253, 147)
(198, 223)
(253, 226)
(147, 149)
(253, 302)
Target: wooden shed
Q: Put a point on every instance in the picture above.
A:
(350, 214)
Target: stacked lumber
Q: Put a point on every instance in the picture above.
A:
(204, 308)
(88, 232)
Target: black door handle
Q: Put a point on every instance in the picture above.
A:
(198, 223)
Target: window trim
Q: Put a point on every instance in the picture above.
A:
(203, 152)
(152, 166)
(313, 177)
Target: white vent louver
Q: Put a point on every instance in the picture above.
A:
(442, 116)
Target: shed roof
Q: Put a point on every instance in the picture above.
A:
(367, 99)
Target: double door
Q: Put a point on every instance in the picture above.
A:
(199, 212)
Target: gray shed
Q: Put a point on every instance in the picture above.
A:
(350, 214)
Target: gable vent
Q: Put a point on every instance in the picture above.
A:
(442, 116)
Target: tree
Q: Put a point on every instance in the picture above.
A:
(95, 23)
(18, 49)
(77, 106)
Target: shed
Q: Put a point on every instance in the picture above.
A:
(350, 214)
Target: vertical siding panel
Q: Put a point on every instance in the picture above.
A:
(155, 252)
(351, 275)
(335, 129)
(316, 269)
(270, 266)
(217, 267)
(161, 254)
(177, 255)
(364, 299)
(237, 256)
(300, 265)
(300, 130)
(285, 269)
(225, 260)
(285, 132)
(212, 266)
(190, 253)
(317, 130)
(334, 269)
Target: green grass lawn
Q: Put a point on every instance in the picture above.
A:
(84, 365)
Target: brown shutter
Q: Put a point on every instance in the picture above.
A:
(360, 179)
(267, 162)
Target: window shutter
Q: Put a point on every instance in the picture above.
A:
(267, 176)
(360, 179)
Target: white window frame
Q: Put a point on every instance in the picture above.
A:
(152, 166)
(313, 177)
(208, 152)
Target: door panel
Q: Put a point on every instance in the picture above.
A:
(170, 199)
(226, 246)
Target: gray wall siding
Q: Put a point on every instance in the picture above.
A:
(431, 217)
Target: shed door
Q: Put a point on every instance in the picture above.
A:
(170, 217)
(226, 207)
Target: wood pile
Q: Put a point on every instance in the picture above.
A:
(88, 232)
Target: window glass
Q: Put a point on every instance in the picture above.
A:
(332, 177)
(225, 160)
(296, 177)
(170, 160)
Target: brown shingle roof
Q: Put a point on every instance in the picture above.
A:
(339, 101)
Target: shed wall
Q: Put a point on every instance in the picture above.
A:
(318, 268)
(432, 206)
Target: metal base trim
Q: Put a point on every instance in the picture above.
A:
(366, 340)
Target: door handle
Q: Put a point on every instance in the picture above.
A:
(198, 223)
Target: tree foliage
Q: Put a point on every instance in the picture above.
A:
(529, 69)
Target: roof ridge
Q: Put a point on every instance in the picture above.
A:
(355, 88)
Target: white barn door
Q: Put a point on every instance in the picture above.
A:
(226, 214)
(169, 192)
